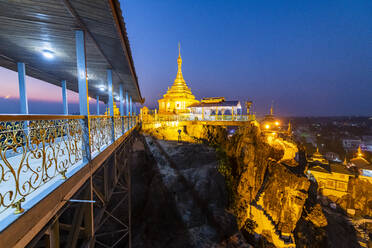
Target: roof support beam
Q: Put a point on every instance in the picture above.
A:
(64, 98)
(121, 99)
(83, 91)
(87, 31)
(97, 105)
(127, 103)
(130, 104)
(22, 88)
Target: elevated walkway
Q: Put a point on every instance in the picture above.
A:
(44, 164)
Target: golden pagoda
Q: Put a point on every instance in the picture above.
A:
(317, 157)
(179, 96)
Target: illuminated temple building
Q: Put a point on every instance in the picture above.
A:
(215, 106)
(179, 96)
(270, 123)
(332, 178)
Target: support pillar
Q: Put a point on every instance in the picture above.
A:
(127, 103)
(131, 111)
(22, 88)
(121, 95)
(64, 98)
(83, 91)
(97, 105)
(54, 235)
(121, 100)
(127, 108)
(130, 106)
(111, 103)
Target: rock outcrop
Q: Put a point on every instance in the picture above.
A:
(267, 196)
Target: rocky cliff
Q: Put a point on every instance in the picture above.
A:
(269, 193)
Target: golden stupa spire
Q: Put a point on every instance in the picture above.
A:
(179, 78)
(289, 128)
(345, 161)
(359, 154)
(272, 108)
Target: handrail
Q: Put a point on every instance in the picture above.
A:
(15, 117)
(110, 116)
(35, 149)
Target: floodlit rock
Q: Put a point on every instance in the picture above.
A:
(316, 216)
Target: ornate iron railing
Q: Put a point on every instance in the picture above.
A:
(34, 149)
(100, 127)
(118, 126)
(148, 118)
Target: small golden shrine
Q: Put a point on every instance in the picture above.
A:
(116, 111)
(179, 96)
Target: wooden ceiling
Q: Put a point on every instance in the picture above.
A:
(30, 26)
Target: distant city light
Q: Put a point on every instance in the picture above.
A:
(48, 54)
(102, 88)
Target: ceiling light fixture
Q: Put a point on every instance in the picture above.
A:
(48, 54)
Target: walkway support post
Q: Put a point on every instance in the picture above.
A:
(83, 91)
(127, 108)
(121, 95)
(22, 88)
(64, 97)
(111, 103)
(131, 111)
(97, 105)
(23, 96)
(84, 110)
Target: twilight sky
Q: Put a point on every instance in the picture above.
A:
(309, 57)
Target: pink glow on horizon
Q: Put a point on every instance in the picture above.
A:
(36, 89)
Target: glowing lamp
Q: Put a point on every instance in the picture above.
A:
(102, 89)
(48, 54)
(267, 126)
(277, 123)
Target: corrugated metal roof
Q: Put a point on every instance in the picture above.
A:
(27, 27)
(219, 104)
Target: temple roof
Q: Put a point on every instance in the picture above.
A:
(218, 104)
(361, 163)
(331, 168)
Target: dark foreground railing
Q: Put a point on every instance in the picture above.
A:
(37, 149)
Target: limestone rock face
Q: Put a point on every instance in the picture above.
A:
(267, 192)
(361, 190)
(267, 196)
(283, 196)
(316, 216)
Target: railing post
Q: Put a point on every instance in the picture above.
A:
(111, 104)
(83, 93)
